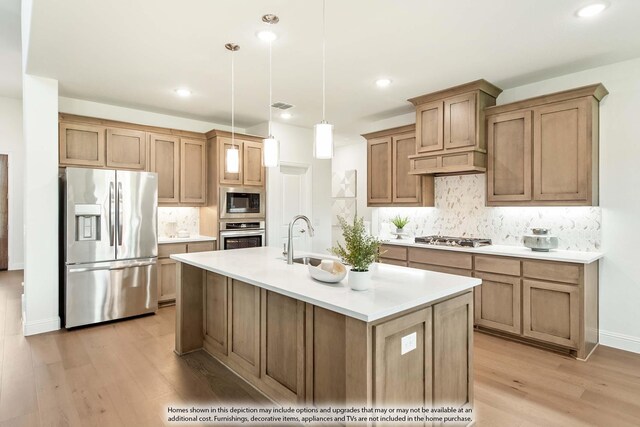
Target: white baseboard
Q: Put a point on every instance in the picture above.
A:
(16, 266)
(40, 326)
(620, 341)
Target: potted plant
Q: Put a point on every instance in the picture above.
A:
(360, 250)
(400, 222)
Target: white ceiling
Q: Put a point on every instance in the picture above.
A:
(10, 57)
(135, 53)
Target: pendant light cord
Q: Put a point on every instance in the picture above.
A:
(324, 72)
(270, 87)
(233, 103)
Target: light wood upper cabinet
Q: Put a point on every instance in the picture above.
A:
(379, 170)
(165, 161)
(389, 181)
(450, 129)
(460, 121)
(509, 165)
(126, 148)
(562, 151)
(253, 172)
(406, 187)
(193, 171)
(543, 151)
(430, 133)
(224, 177)
(82, 145)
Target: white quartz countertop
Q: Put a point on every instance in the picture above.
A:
(190, 239)
(393, 289)
(578, 257)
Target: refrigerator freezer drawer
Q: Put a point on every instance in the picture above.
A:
(110, 290)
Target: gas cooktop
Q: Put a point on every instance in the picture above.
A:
(470, 242)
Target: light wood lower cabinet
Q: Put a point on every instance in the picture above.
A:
(166, 280)
(551, 312)
(497, 302)
(216, 300)
(244, 326)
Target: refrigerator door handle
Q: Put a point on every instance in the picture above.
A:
(83, 269)
(112, 213)
(120, 225)
(133, 265)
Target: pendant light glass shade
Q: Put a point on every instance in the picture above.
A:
(232, 162)
(323, 140)
(270, 152)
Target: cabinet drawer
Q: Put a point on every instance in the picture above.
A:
(200, 247)
(167, 249)
(555, 271)
(399, 262)
(440, 269)
(393, 252)
(441, 257)
(510, 267)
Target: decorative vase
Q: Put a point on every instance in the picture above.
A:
(540, 240)
(359, 280)
(400, 230)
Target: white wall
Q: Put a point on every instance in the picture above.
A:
(113, 112)
(11, 144)
(296, 146)
(619, 196)
(40, 121)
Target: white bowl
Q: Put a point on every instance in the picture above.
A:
(329, 271)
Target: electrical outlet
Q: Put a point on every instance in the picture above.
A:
(409, 343)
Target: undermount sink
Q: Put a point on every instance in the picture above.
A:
(306, 260)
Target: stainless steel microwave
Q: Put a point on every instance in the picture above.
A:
(241, 202)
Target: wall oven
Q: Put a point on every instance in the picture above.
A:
(241, 203)
(241, 234)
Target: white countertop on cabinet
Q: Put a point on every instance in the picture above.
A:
(393, 289)
(190, 239)
(578, 257)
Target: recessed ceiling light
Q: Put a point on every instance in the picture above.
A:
(591, 10)
(183, 92)
(383, 82)
(285, 115)
(266, 35)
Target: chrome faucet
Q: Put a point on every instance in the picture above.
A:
(290, 241)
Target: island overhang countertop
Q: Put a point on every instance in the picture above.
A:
(394, 289)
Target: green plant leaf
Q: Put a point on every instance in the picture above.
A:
(361, 249)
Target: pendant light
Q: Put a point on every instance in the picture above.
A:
(323, 131)
(270, 145)
(232, 160)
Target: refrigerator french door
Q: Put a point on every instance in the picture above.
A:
(110, 245)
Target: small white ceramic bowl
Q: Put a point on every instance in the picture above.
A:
(328, 271)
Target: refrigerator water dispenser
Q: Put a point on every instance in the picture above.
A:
(87, 222)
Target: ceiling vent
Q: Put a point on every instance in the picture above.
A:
(281, 105)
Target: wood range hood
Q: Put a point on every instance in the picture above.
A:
(450, 129)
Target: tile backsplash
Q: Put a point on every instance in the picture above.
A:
(460, 211)
(185, 218)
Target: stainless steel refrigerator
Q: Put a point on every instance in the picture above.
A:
(110, 244)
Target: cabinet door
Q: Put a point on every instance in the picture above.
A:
(252, 170)
(81, 145)
(244, 326)
(509, 157)
(460, 121)
(551, 312)
(192, 171)
(126, 149)
(406, 188)
(166, 280)
(216, 304)
(497, 302)
(227, 178)
(283, 347)
(165, 161)
(379, 170)
(561, 152)
(453, 350)
(403, 360)
(430, 127)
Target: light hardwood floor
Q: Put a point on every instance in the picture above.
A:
(125, 373)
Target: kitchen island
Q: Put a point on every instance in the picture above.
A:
(405, 341)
